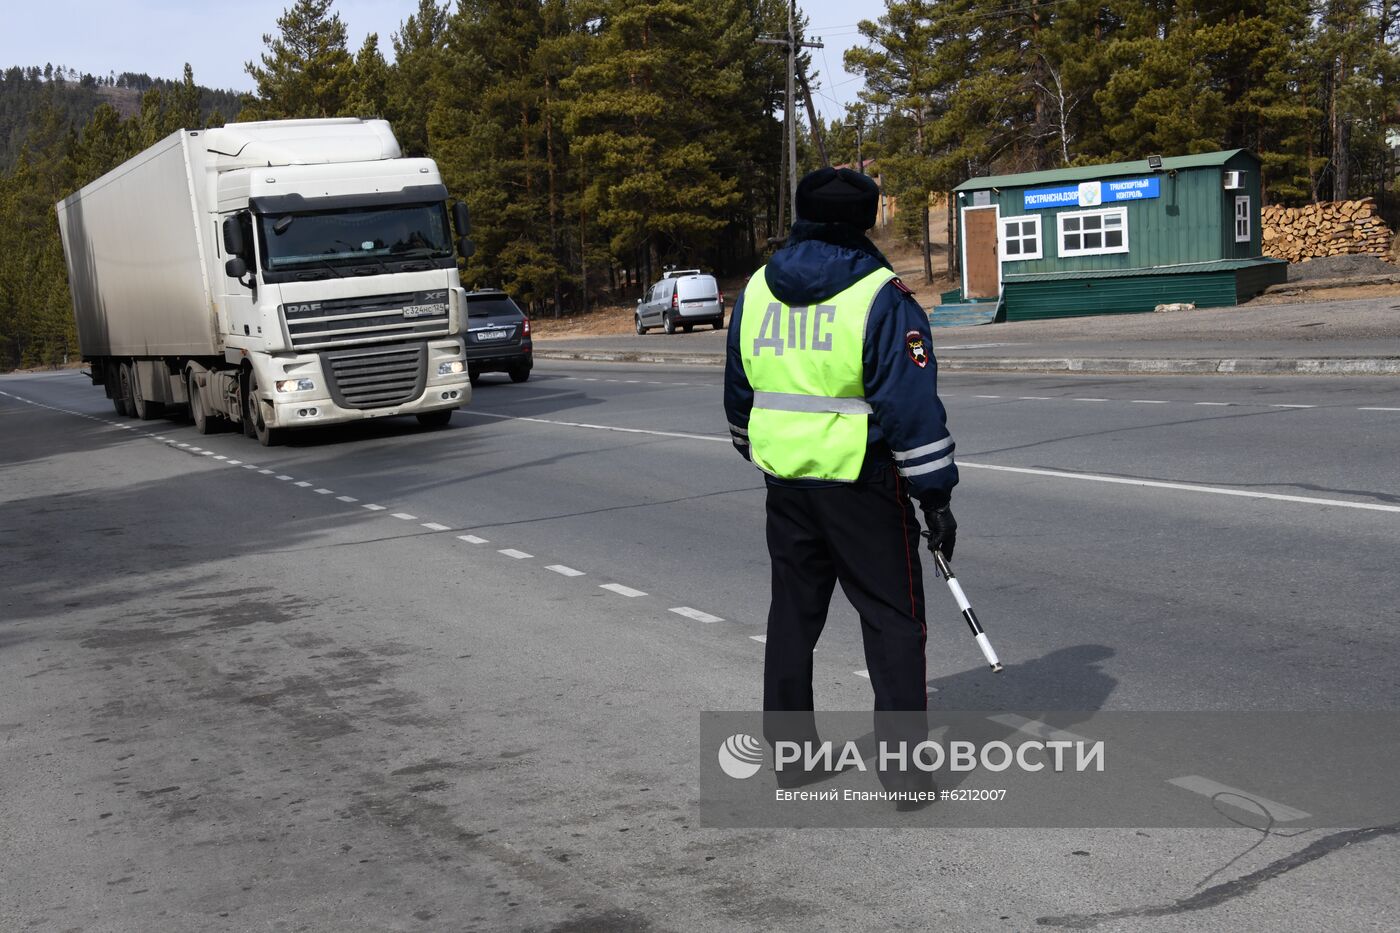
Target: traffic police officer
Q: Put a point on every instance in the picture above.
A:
(831, 390)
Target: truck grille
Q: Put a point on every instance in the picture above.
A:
(320, 325)
(376, 377)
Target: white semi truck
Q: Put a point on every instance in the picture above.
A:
(275, 275)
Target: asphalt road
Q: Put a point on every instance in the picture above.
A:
(233, 695)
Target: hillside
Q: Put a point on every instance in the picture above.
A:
(23, 91)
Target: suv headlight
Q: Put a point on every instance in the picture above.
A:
(451, 368)
(295, 385)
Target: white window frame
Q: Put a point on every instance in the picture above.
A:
(1060, 219)
(1003, 222)
(1242, 230)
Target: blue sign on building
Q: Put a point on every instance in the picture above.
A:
(1092, 193)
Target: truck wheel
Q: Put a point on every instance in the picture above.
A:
(268, 436)
(123, 402)
(203, 423)
(519, 372)
(139, 406)
(435, 419)
(667, 324)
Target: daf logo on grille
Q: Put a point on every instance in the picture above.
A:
(303, 309)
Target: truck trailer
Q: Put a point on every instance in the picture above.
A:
(273, 275)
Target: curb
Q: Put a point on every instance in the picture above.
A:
(1375, 366)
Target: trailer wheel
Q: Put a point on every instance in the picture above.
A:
(268, 436)
(122, 400)
(203, 422)
(139, 406)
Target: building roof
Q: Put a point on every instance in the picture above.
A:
(1091, 172)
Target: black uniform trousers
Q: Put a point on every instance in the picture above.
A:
(866, 536)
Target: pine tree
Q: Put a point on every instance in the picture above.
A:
(418, 58)
(369, 91)
(306, 70)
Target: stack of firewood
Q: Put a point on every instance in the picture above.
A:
(1330, 228)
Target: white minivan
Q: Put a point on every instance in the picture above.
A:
(683, 298)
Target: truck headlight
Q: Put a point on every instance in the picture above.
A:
(448, 369)
(295, 385)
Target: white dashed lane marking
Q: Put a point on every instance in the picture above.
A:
(621, 590)
(346, 499)
(865, 674)
(434, 526)
(472, 539)
(512, 552)
(564, 571)
(372, 507)
(761, 639)
(695, 614)
(404, 516)
(302, 483)
(283, 477)
(323, 492)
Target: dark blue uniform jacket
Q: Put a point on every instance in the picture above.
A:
(908, 429)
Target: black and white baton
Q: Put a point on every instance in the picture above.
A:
(988, 651)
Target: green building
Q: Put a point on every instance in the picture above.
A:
(1129, 236)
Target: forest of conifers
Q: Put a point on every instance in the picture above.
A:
(596, 140)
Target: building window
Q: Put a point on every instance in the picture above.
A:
(1093, 233)
(1020, 238)
(1241, 219)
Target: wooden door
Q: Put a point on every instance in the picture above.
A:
(983, 278)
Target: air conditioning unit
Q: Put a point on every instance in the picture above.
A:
(1234, 181)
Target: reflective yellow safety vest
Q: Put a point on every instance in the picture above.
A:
(806, 366)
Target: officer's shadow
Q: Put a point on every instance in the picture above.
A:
(1061, 690)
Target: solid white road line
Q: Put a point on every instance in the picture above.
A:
(621, 590)
(597, 427)
(1185, 487)
(564, 571)
(472, 539)
(434, 526)
(695, 614)
(1240, 799)
(404, 516)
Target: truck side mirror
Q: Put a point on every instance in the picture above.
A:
(236, 268)
(461, 218)
(465, 247)
(233, 237)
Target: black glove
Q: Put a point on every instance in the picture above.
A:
(942, 531)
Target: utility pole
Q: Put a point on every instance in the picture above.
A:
(790, 42)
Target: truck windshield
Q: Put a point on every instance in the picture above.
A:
(353, 235)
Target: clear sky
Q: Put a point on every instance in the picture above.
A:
(159, 36)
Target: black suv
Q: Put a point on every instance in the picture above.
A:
(498, 336)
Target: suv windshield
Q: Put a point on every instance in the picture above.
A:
(488, 307)
(352, 235)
